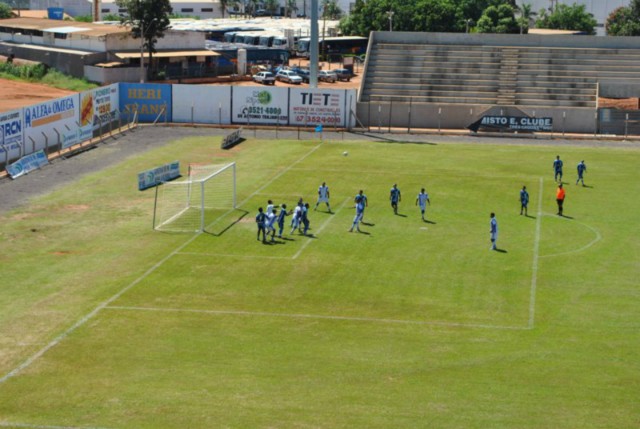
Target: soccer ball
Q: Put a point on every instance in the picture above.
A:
(345, 153)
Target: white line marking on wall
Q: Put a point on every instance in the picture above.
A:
(318, 316)
(104, 304)
(534, 264)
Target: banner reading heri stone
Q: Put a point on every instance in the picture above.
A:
(512, 123)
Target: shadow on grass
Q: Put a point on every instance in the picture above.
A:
(429, 221)
(226, 228)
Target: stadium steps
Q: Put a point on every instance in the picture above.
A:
(503, 75)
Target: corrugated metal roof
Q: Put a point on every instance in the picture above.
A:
(51, 24)
(169, 53)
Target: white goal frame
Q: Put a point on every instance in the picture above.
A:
(180, 206)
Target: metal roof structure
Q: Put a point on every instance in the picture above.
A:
(55, 26)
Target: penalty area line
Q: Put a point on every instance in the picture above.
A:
(536, 257)
(319, 317)
(82, 321)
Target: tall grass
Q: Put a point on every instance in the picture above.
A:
(40, 73)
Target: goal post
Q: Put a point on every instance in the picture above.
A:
(190, 205)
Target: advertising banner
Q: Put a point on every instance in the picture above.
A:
(512, 123)
(98, 107)
(260, 105)
(27, 164)
(152, 101)
(11, 134)
(201, 104)
(315, 106)
(164, 173)
(53, 121)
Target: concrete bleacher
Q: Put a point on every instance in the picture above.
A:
(491, 74)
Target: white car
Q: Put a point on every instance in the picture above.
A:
(289, 77)
(327, 76)
(264, 77)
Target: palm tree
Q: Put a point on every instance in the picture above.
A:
(526, 16)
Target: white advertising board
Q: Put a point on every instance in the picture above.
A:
(52, 122)
(98, 107)
(11, 135)
(319, 106)
(260, 105)
(201, 104)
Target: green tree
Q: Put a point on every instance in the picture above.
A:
(565, 17)
(331, 10)
(149, 19)
(526, 17)
(433, 15)
(499, 19)
(271, 6)
(223, 5)
(5, 11)
(624, 21)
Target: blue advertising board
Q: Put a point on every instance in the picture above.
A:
(154, 177)
(27, 164)
(55, 13)
(152, 101)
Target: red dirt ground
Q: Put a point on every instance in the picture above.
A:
(14, 94)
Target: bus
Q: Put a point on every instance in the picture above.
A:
(334, 46)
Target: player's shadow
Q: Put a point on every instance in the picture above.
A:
(565, 216)
(271, 243)
(286, 239)
(429, 221)
(367, 223)
(363, 232)
(401, 215)
(529, 216)
(587, 186)
(501, 250)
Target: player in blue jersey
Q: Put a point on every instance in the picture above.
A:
(283, 214)
(582, 168)
(524, 200)
(323, 196)
(395, 197)
(260, 221)
(305, 218)
(493, 231)
(360, 204)
(361, 199)
(557, 169)
(422, 200)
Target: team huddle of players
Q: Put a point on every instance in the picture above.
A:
(268, 220)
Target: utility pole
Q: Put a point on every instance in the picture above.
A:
(141, 51)
(390, 15)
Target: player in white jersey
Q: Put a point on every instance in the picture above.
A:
(323, 196)
(422, 200)
(270, 220)
(297, 216)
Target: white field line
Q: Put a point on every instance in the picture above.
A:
(104, 304)
(581, 249)
(536, 257)
(326, 222)
(29, 426)
(230, 255)
(318, 317)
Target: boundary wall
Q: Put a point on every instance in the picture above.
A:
(62, 123)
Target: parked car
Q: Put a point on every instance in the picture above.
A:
(265, 77)
(343, 74)
(327, 76)
(288, 76)
(304, 73)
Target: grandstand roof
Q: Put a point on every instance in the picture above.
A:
(57, 26)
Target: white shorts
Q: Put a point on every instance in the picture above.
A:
(323, 200)
(423, 207)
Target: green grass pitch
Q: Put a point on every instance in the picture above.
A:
(107, 323)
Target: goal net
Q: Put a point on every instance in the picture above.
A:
(208, 193)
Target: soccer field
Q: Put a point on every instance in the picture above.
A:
(105, 323)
